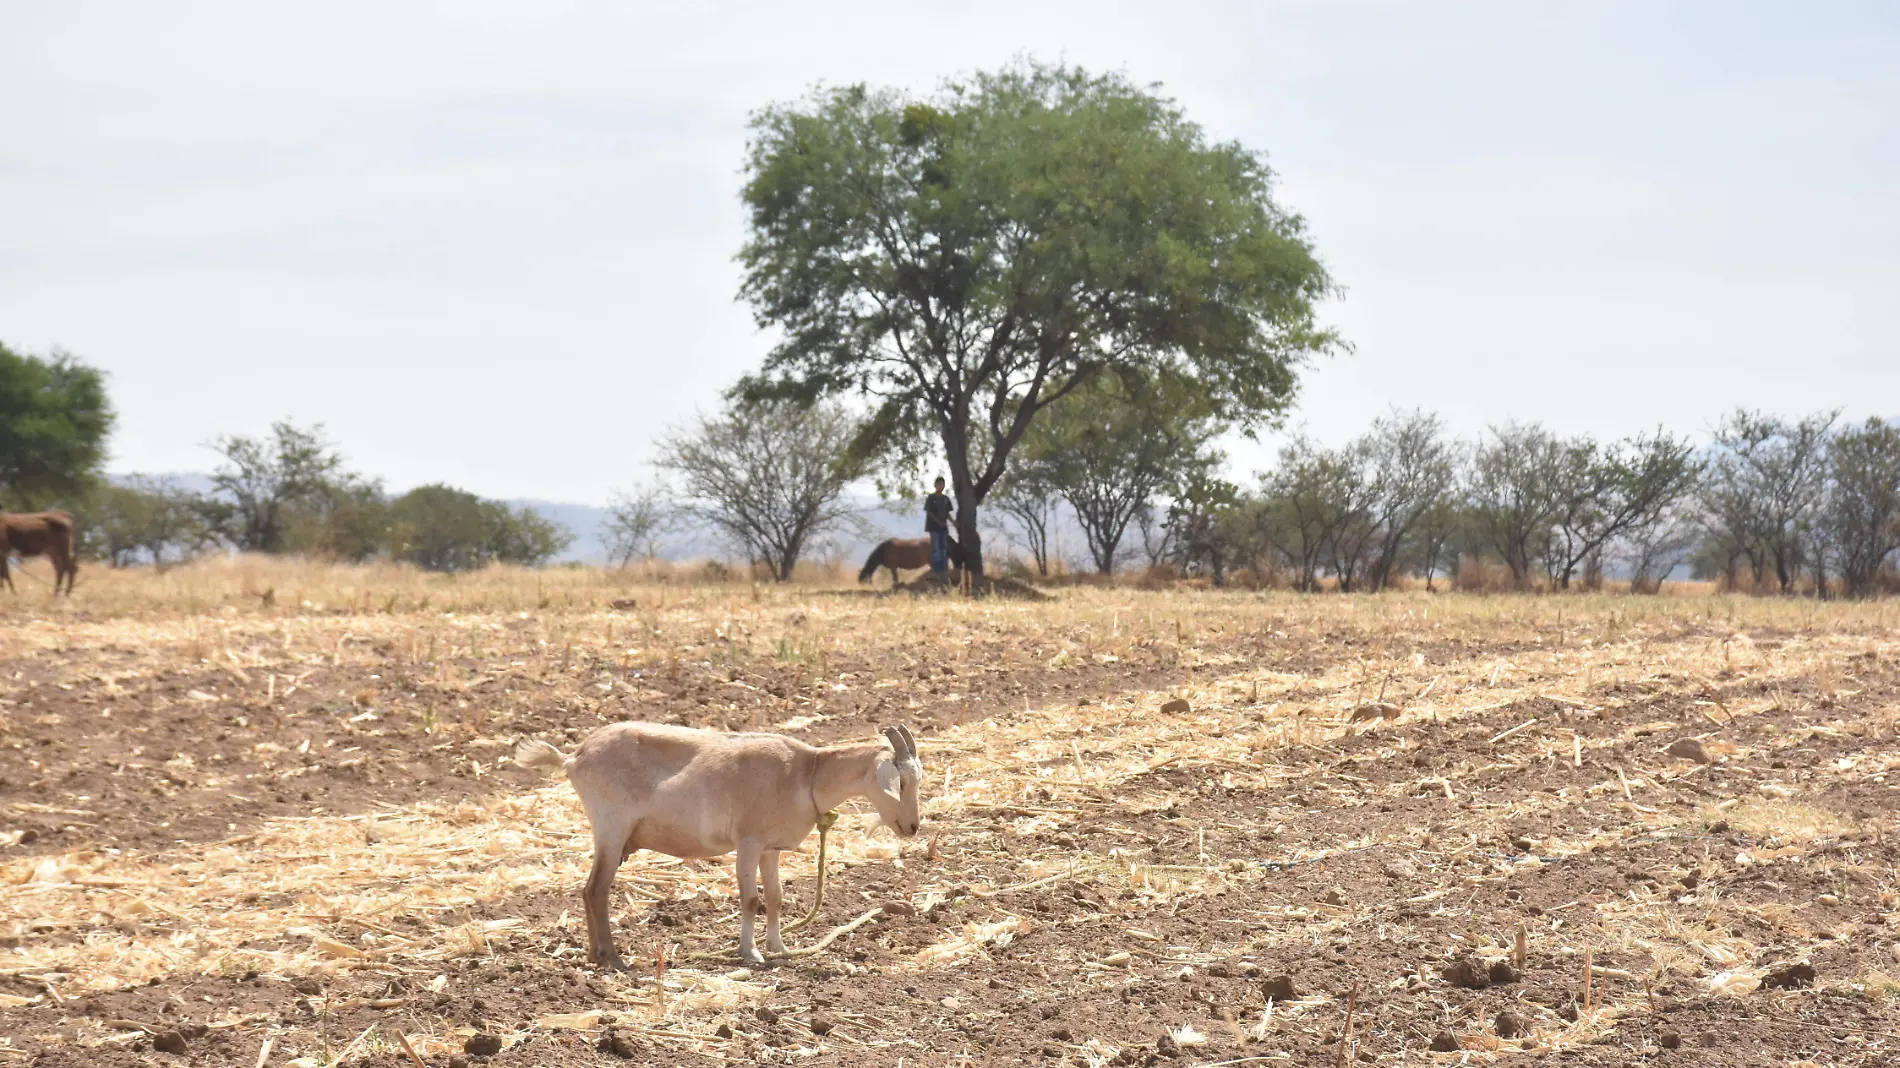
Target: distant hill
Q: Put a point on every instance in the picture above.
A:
(586, 520)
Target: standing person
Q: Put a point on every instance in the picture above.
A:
(938, 511)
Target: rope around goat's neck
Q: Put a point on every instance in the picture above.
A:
(825, 822)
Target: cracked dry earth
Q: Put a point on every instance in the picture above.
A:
(239, 830)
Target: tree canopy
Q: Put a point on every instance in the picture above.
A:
(54, 420)
(969, 257)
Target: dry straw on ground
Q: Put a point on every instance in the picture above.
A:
(1082, 822)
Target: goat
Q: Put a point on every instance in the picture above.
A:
(696, 793)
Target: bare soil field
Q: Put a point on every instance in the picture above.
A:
(261, 813)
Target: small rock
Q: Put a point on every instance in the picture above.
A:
(619, 1045)
(1179, 704)
(482, 1046)
(1375, 710)
(458, 1061)
(1444, 1042)
(1789, 977)
(821, 1026)
(1218, 970)
(765, 1014)
(1335, 896)
(1501, 971)
(1829, 899)
(1690, 749)
(723, 1031)
(1166, 1046)
(1669, 1040)
(899, 908)
(1467, 972)
(29, 836)
(1511, 1025)
(1280, 988)
(307, 986)
(169, 1042)
(1061, 1034)
(1719, 827)
(1523, 845)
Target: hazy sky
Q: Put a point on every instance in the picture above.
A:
(493, 244)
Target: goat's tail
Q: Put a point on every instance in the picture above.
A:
(876, 561)
(537, 755)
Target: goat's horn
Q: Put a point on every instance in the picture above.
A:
(900, 744)
(909, 740)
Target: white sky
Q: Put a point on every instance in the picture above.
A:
(493, 245)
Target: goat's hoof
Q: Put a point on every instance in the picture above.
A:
(611, 962)
(752, 957)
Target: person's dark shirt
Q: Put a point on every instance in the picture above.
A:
(937, 510)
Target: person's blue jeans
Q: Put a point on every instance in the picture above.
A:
(939, 550)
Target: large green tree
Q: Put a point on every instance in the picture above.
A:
(54, 419)
(969, 257)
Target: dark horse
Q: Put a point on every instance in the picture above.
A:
(906, 554)
(25, 534)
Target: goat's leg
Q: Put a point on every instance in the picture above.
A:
(594, 901)
(6, 576)
(748, 867)
(768, 875)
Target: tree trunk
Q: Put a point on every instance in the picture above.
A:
(968, 536)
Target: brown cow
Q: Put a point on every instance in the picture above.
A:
(25, 534)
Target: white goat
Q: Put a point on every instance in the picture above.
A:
(697, 793)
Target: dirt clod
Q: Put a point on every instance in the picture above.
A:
(1335, 897)
(1179, 704)
(1167, 1046)
(821, 1026)
(1467, 972)
(169, 1042)
(619, 1044)
(1669, 1040)
(1690, 749)
(1511, 1025)
(1501, 971)
(458, 1061)
(766, 1014)
(1280, 988)
(1444, 1042)
(1789, 977)
(723, 1031)
(482, 1045)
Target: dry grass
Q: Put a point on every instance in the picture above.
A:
(1022, 797)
